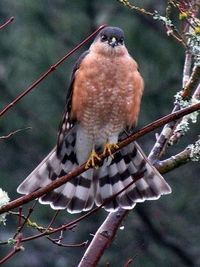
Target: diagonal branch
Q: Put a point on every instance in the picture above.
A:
(111, 224)
(168, 128)
(192, 83)
(50, 70)
(13, 133)
(6, 23)
(174, 162)
(62, 180)
(103, 238)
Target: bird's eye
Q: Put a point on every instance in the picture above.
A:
(103, 38)
(121, 40)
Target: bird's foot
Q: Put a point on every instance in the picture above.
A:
(91, 161)
(108, 149)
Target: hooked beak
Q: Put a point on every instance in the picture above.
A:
(113, 42)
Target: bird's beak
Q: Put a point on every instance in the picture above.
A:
(113, 42)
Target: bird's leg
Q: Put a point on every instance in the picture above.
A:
(108, 149)
(92, 158)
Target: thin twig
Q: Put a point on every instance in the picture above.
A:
(172, 31)
(50, 70)
(17, 248)
(60, 244)
(12, 133)
(131, 6)
(129, 261)
(6, 23)
(26, 219)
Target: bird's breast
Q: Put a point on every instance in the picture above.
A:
(103, 94)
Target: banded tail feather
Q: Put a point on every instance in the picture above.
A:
(96, 186)
(128, 163)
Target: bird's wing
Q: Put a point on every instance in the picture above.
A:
(77, 194)
(67, 123)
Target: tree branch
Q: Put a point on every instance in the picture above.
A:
(16, 248)
(13, 133)
(62, 180)
(166, 133)
(192, 83)
(103, 238)
(6, 23)
(174, 162)
(50, 70)
(100, 242)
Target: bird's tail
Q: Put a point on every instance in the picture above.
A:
(96, 186)
(129, 163)
(76, 195)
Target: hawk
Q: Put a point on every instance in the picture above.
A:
(103, 100)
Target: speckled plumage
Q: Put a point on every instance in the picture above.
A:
(103, 99)
(111, 89)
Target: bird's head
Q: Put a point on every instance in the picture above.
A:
(110, 40)
(112, 36)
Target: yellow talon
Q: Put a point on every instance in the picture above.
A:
(91, 161)
(108, 149)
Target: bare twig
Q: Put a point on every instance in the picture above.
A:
(176, 35)
(12, 133)
(131, 6)
(50, 70)
(129, 261)
(25, 221)
(60, 244)
(6, 23)
(17, 248)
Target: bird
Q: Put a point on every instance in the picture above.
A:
(102, 104)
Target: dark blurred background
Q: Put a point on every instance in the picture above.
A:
(157, 233)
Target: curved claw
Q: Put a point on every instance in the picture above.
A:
(108, 149)
(91, 161)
